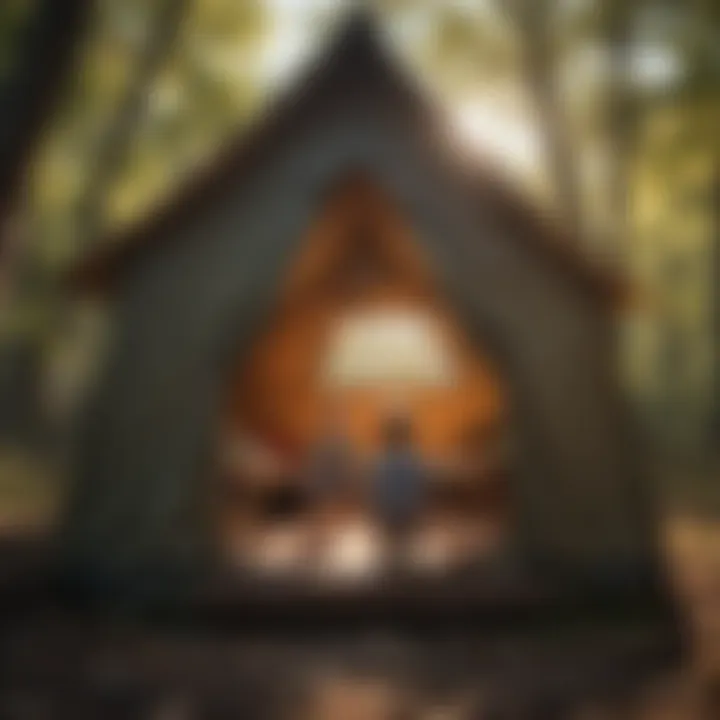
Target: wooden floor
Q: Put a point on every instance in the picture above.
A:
(345, 547)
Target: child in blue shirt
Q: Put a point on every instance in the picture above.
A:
(399, 487)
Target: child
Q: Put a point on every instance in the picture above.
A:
(399, 485)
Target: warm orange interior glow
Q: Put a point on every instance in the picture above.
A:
(359, 257)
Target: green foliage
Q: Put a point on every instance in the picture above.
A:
(206, 88)
(472, 47)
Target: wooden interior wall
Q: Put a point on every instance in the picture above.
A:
(359, 254)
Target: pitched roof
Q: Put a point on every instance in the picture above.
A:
(358, 62)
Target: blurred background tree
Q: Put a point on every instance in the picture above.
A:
(156, 89)
(38, 41)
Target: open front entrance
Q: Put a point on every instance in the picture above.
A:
(360, 343)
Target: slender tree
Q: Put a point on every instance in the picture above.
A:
(532, 21)
(31, 86)
(695, 100)
(621, 119)
(34, 76)
(715, 304)
(114, 145)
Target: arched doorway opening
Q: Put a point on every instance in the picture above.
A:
(361, 334)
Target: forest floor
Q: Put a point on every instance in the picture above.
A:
(58, 669)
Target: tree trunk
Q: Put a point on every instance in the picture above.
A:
(531, 20)
(112, 151)
(620, 123)
(20, 405)
(715, 305)
(672, 353)
(32, 88)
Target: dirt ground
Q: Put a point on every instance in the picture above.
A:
(59, 670)
(692, 547)
(55, 670)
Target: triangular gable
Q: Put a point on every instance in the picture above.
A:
(357, 68)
